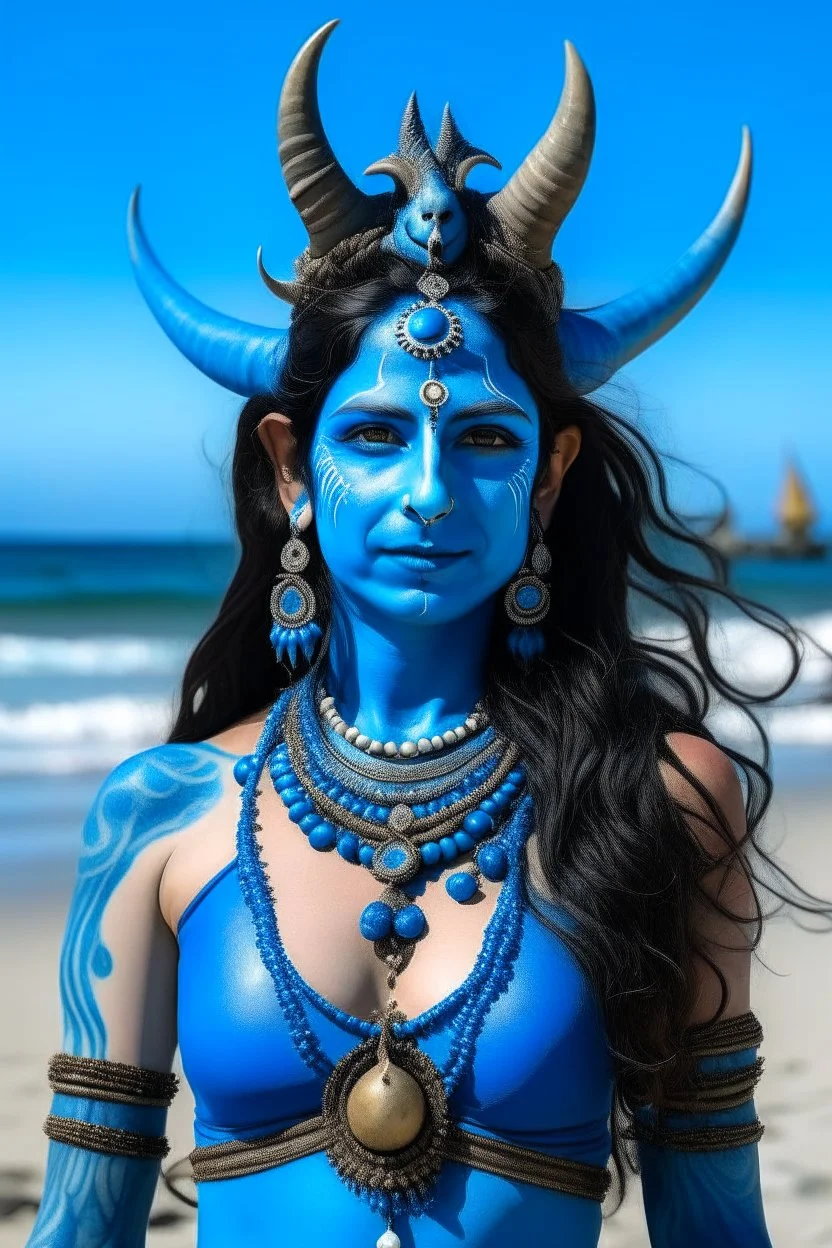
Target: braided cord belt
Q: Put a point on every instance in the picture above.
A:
(234, 1158)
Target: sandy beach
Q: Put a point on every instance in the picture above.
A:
(792, 998)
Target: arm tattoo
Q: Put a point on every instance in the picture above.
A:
(99, 1200)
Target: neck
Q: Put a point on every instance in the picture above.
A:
(397, 681)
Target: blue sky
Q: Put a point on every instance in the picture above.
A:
(107, 431)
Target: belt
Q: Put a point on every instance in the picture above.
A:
(232, 1159)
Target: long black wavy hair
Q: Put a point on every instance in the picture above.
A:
(592, 717)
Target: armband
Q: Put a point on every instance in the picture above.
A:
(99, 1080)
(94, 1079)
(696, 1118)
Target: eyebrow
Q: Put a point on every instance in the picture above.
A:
(380, 407)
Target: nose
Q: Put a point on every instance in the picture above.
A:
(434, 210)
(429, 499)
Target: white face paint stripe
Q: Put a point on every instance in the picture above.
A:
(334, 489)
(489, 384)
(520, 485)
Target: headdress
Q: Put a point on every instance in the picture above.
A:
(429, 218)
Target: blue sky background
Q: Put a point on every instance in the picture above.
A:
(106, 431)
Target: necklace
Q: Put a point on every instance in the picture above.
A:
(398, 841)
(385, 1103)
(408, 749)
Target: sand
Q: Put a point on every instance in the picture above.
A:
(792, 998)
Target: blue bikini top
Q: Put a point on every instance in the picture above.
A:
(541, 1077)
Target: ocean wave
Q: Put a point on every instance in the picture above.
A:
(63, 738)
(22, 655)
(757, 660)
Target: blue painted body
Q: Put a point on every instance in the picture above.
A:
(553, 1095)
(693, 1199)
(90, 1198)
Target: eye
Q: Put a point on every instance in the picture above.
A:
(489, 438)
(378, 435)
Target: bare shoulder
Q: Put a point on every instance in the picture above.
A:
(716, 773)
(724, 914)
(242, 737)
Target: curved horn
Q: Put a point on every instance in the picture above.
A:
(598, 341)
(242, 357)
(330, 204)
(536, 200)
(456, 154)
(289, 292)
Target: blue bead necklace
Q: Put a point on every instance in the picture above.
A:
(390, 1030)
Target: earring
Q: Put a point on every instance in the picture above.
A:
(527, 598)
(292, 602)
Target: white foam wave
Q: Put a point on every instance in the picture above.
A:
(59, 738)
(784, 725)
(22, 655)
(757, 660)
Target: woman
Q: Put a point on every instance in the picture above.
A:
(449, 535)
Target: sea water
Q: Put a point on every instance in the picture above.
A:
(94, 639)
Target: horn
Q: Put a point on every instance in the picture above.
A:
(597, 341)
(242, 357)
(456, 154)
(415, 155)
(535, 201)
(289, 292)
(330, 204)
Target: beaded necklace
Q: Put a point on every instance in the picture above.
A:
(399, 1179)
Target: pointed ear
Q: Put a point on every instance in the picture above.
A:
(567, 446)
(275, 432)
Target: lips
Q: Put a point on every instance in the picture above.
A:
(425, 557)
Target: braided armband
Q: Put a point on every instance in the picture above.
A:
(726, 1072)
(94, 1079)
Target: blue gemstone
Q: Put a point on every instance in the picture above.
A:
(394, 857)
(298, 809)
(489, 805)
(433, 807)
(242, 768)
(348, 846)
(428, 325)
(290, 602)
(365, 855)
(409, 922)
(492, 861)
(528, 597)
(419, 811)
(376, 920)
(447, 844)
(308, 822)
(464, 842)
(516, 777)
(367, 812)
(431, 853)
(478, 823)
(345, 800)
(454, 796)
(461, 885)
(380, 813)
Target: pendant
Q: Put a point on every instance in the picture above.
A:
(386, 1108)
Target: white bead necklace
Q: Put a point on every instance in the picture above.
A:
(475, 722)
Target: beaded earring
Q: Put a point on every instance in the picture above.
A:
(527, 597)
(294, 631)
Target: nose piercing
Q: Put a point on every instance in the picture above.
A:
(408, 506)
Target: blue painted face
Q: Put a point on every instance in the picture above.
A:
(423, 514)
